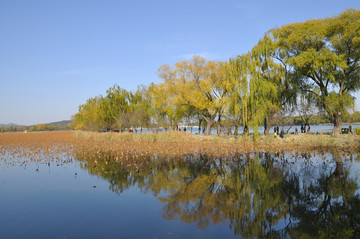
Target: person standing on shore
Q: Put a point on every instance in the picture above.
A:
(245, 129)
(282, 132)
(296, 130)
(350, 129)
(308, 130)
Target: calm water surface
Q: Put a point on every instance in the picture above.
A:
(284, 195)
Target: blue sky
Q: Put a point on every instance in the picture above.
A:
(55, 54)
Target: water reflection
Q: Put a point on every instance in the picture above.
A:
(278, 195)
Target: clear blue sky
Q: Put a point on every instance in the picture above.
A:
(55, 54)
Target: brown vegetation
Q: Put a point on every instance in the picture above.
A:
(133, 147)
(183, 143)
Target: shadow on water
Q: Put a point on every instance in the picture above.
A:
(279, 195)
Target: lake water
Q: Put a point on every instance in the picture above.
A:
(284, 194)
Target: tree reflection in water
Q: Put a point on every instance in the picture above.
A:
(259, 195)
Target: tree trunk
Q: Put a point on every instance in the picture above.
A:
(287, 131)
(208, 126)
(246, 129)
(219, 125)
(200, 125)
(266, 130)
(337, 123)
(339, 170)
(266, 126)
(236, 130)
(338, 174)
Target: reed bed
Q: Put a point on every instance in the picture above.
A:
(183, 141)
(132, 149)
(43, 147)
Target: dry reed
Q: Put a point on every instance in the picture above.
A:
(132, 149)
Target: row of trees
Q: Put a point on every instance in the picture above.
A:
(314, 64)
(118, 110)
(321, 119)
(37, 127)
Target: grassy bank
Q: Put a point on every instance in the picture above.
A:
(137, 149)
(302, 142)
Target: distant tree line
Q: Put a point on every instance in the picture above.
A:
(38, 127)
(309, 68)
(320, 119)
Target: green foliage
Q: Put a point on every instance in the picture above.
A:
(357, 131)
(355, 117)
(118, 110)
(20, 128)
(90, 115)
(38, 127)
(43, 127)
(323, 56)
(237, 72)
(200, 85)
(316, 62)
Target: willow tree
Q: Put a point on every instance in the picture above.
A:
(238, 75)
(115, 108)
(324, 59)
(267, 67)
(263, 94)
(100, 113)
(199, 84)
(166, 109)
(254, 90)
(158, 105)
(90, 116)
(140, 107)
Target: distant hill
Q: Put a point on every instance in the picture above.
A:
(57, 123)
(8, 125)
(60, 123)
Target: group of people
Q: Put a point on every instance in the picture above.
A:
(276, 131)
(303, 129)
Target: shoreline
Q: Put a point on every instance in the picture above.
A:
(175, 144)
(242, 143)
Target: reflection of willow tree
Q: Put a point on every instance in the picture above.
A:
(204, 191)
(329, 208)
(258, 202)
(253, 195)
(247, 194)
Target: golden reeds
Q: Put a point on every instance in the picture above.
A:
(132, 149)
